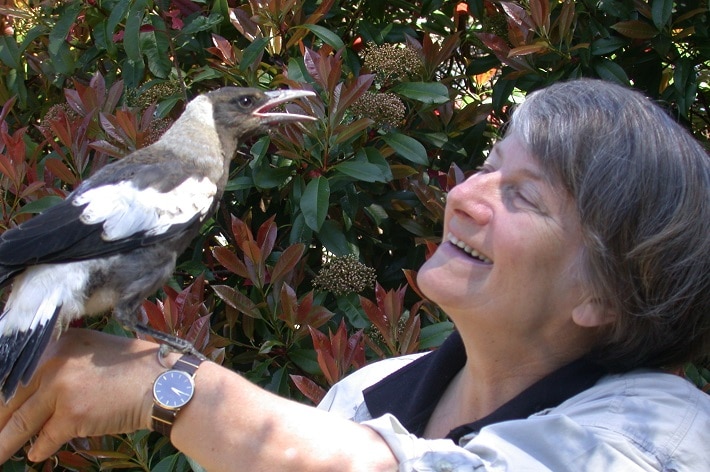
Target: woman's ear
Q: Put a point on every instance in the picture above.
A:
(593, 313)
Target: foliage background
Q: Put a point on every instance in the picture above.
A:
(307, 270)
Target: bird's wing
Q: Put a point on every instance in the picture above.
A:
(109, 214)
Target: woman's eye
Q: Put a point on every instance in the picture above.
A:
(520, 198)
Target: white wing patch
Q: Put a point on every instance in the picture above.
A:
(126, 210)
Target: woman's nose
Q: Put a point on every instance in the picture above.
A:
(475, 197)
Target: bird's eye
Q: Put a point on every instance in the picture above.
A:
(245, 102)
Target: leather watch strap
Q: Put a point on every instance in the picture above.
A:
(188, 363)
(163, 418)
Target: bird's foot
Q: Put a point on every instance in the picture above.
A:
(169, 343)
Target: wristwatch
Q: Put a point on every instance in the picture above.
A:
(172, 390)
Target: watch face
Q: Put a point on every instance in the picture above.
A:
(173, 389)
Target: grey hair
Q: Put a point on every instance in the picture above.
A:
(641, 184)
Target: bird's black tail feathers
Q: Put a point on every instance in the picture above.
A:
(20, 352)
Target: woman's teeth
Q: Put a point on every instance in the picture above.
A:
(467, 249)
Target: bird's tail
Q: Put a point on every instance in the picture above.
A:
(23, 338)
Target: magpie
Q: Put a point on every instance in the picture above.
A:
(115, 239)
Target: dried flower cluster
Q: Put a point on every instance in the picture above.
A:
(385, 109)
(377, 337)
(152, 95)
(344, 274)
(392, 61)
(156, 129)
(496, 24)
(56, 112)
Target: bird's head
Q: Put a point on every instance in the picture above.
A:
(245, 111)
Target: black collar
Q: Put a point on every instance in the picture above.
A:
(412, 393)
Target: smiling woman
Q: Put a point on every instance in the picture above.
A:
(575, 267)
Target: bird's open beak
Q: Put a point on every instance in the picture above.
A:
(277, 97)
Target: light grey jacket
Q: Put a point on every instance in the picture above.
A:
(638, 421)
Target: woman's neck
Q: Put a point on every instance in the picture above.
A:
(490, 378)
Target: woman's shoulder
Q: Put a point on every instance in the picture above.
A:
(647, 387)
(660, 413)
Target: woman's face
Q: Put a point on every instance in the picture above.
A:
(511, 249)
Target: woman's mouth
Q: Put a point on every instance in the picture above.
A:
(467, 249)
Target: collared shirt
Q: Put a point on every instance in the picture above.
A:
(575, 419)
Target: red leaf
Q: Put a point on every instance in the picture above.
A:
(287, 261)
(199, 332)
(224, 50)
(241, 231)
(540, 12)
(61, 171)
(266, 236)
(375, 315)
(156, 319)
(289, 306)
(309, 388)
(230, 261)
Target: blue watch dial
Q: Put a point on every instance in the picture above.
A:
(173, 389)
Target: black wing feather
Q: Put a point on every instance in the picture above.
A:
(58, 235)
(21, 353)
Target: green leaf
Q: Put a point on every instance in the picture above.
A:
(58, 35)
(315, 202)
(131, 42)
(661, 11)
(133, 72)
(332, 237)
(242, 182)
(38, 206)
(251, 55)
(407, 147)
(611, 71)
(194, 465)
(9, 52)
(306, 359)
(362, 171)
(426, 92)
(269, 177)
(201, 23)
(167, 464)
(375, 157)
(61, 57)
(156, 47)
(603, 46)
(433, 335)
(300, 232)
(325, 35)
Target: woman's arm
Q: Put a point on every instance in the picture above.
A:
(92, 384)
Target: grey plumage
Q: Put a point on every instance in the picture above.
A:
(115, 239)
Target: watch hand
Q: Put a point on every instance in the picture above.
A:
(178, 392)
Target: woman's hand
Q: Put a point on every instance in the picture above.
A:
(87, 384)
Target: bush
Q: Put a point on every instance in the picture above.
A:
(308, 269)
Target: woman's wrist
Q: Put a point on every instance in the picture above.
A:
(154, 366)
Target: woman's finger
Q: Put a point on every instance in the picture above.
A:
(21, 425)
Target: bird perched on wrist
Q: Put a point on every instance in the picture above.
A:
(116, 238)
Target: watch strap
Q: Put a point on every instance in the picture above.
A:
(188, 363)
(163, 418)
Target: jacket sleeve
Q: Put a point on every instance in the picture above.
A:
(546, 443)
